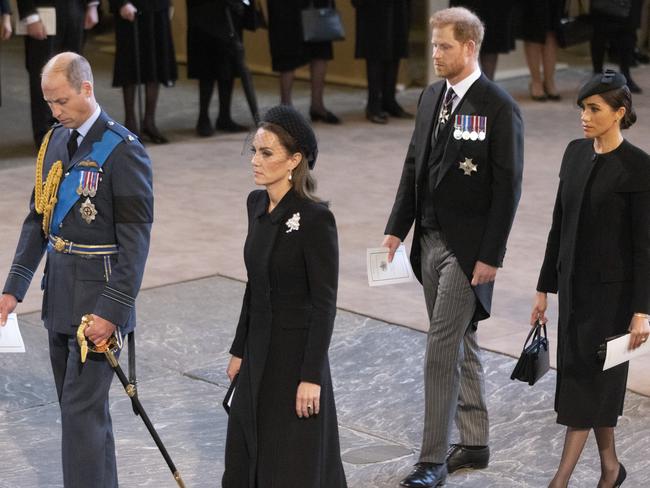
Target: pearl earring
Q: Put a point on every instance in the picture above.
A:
(290, 175)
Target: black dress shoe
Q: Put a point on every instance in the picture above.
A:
(622, 474)
(325, 116)
(204, 127)
(459, 457)
(377, 117)
(230, 125)
(153, 135)
(426, 475)
(395, 110)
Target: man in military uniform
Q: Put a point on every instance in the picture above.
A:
(92, 216)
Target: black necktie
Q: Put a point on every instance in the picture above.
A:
(445, 111)
(72, 144)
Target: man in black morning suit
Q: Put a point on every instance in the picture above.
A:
(72, 17)
(460, 185)
(96, 237)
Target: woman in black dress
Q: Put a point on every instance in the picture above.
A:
(157, 58)
(289, 51)
(382, 38)
(598, 260)
(540, 20)
(211, 57)
(282, 429)
(497, 16)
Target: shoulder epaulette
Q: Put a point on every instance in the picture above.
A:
(121, 131)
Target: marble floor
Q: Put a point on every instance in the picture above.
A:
(184, 334)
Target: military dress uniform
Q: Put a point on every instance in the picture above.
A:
(97, 244)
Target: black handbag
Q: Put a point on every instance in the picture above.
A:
(321, 24)
(574, 30)
(534, 360)
(611, 8)
(227, 400)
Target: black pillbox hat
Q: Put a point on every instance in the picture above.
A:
(297, 127)
(601, 83)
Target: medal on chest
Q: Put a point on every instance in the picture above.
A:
(88, 183)
(88, 211)
(468, 167)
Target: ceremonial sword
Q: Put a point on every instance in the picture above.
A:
(108, 348)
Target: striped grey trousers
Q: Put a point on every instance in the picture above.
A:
(454, 387)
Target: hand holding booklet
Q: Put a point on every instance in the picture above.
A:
(618, 351)
(10, 338)
(381, 272)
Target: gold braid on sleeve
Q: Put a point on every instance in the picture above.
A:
(45, 193)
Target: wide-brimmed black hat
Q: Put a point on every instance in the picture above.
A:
(297, 127)
(601, 83)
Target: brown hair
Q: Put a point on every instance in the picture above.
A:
(621, 97)
(467, 25)
(301, 178)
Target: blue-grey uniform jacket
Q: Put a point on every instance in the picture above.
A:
(75, 285)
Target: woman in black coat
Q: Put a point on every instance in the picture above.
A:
(382, 38)
(289, 51)
(157, 58)
(598, 260)
(211, 56)
(282, 429)
(497, 15)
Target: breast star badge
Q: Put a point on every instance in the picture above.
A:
(88, 211)
(468, 166)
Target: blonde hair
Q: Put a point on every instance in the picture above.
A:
(467, 26)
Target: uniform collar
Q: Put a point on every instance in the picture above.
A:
(84, 128)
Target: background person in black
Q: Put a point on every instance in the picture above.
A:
(72, 17)
(289, 51)
(282, 429)
(211, 57)
(497, 15)
(460, 186)
(598, 261)
(156, 54)
(382, 40)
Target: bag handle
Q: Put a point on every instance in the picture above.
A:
(535, 331)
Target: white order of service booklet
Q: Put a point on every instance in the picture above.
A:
(48, 17)
(381, 272)
(618, 352)
(10, 338)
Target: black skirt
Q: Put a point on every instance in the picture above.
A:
(156, 50)
(211, 53)
(288, 51)
(497, 16)
(537, 18)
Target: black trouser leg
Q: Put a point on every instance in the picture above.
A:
(389, 85)
(206, 89)
(598, 45)
(225, 87)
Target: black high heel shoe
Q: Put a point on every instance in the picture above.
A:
(555, 97)
(325, 116)
(153, 134)
(536, 98)
(622, 474)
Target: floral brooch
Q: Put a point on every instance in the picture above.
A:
(293, 223)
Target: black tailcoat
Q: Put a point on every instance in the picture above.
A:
(475, 212)
(283, 336)
(598, 260)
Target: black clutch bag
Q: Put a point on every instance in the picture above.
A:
(321, 24)
(574, 30)
(227, 400)
(534, 360)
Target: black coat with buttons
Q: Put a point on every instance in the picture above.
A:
(283, 336)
